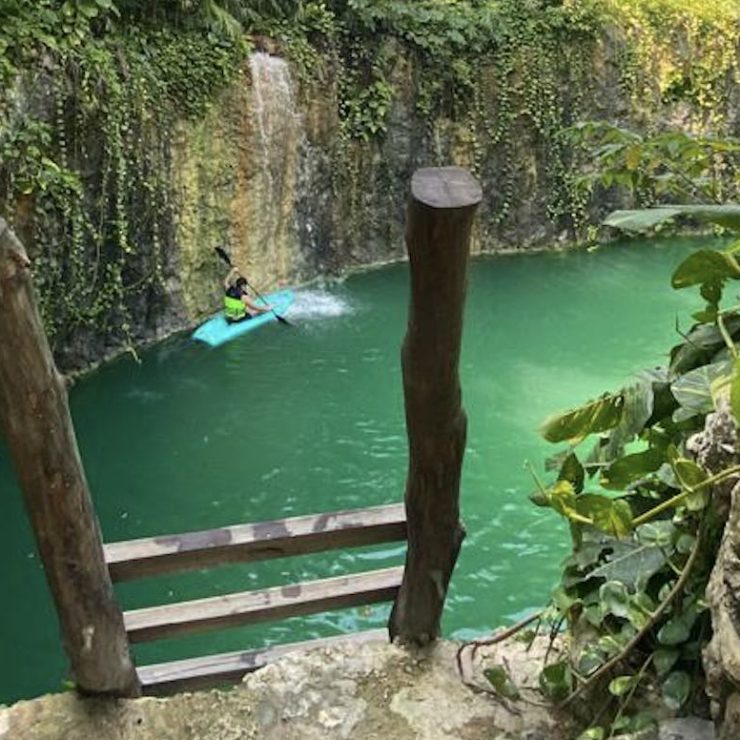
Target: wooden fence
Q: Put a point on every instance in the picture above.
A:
(35, 420)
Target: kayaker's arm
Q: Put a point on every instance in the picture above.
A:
(253, 307)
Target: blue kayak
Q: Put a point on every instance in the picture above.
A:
(218, 331)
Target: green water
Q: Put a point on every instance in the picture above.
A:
(289, 421)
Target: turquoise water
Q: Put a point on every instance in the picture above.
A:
(286, 421)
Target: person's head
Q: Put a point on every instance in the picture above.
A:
(241, 283)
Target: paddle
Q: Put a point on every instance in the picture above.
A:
(225, 257)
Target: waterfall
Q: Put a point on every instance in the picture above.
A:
(277, 143)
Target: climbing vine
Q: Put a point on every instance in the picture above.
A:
(491, 84)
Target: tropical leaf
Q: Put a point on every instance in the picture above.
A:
(630, 468)
(701, 344)
(639, 221)
(706, 266)
(613, 517)
(693, 391)
(631, 563)
(596, 416)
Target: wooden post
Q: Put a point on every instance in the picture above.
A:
(439, 219)
(35, 419)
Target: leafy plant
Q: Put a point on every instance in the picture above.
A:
(644, 523)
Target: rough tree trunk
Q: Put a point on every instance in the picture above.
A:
(440, 215)
(35, 419)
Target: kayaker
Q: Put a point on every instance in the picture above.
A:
(237, 304)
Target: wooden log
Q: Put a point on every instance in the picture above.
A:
(191, 674)
(35, 419)
(439, 220)
(251, 542)
(248, 607)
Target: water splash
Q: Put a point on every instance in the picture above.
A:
(315, 304)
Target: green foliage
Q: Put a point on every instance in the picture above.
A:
(73, 173)
(494, 83)
(644, 526)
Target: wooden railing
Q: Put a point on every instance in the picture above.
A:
(35, 419)
(249, 543)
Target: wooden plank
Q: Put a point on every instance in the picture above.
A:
(248, 607)
(36, 423)
(163, 679)
(251, 542)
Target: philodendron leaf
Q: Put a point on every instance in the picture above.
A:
(639, 221)
(614, 599)
(597, 416)
(620, 685)
(676, 689)
(631, 563)
(705, 266)
(499, 678)
(556, 680)
(613, 517)
(693, 391)
(630, 468)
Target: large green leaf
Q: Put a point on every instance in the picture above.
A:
(639, 221)
(596, 416)
(631, 563)
(626, 470)
(613, 517)
(696, 390)
(705, 266)
(702, 343)
(637, 408)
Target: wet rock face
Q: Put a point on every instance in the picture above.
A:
(267, 173)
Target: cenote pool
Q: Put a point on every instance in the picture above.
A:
(291, 421)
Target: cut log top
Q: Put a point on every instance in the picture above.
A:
(445, 187)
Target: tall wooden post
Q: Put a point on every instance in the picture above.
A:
(439, 219)
(35, 419)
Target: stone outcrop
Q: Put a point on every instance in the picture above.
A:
(372, 692)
